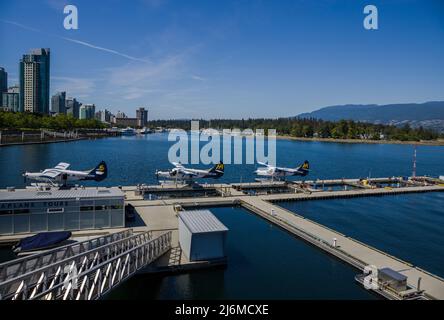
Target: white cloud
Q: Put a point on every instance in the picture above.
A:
(76, 87)
(195, 77)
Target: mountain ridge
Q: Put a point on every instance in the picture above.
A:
(429, 114)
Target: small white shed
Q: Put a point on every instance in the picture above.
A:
(201, 235)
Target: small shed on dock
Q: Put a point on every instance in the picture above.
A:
(201, 235)
(393, 279)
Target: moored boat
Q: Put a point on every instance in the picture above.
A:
(41, 241)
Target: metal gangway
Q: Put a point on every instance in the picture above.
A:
(81, 271)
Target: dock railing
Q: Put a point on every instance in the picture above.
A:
(14, 268)
(88, 275)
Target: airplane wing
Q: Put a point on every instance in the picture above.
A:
(263, 164)
(62, 166)
(177, 164)
(51, 173)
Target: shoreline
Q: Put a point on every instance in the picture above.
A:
(332, 140)
(39, 142)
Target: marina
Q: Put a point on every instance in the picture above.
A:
(161, 216)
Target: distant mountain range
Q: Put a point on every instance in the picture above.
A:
(429, 115)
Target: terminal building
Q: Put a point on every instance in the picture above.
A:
(25, 211)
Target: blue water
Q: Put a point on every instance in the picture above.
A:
(133, 160)
(410, 227)
(264, 262)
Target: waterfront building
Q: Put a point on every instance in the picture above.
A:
(34, 81)
(142, 117)
(72, 107)
(58, 103)
(3, 80)
(87, 111)
(127, 122)
(11, 99)
(61, 210)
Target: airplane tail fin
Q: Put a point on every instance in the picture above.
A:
(100, 172)
(305, 168)
(218, 169)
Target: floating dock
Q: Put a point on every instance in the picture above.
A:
(160, 215)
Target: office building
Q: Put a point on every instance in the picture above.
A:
(104, 116)
(120, 114)
(72, 107)
(58, 103)
(10, 99)
(34, 81)
(3, 81)
(87, 111)
(142, 117)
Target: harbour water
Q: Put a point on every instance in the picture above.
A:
(133, 160)
(291, 268)
(264, 262)
(409, 227)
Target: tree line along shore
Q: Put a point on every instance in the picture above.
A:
(346, 130)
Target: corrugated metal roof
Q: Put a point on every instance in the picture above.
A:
(60, 194)
(202, 221)
(393, 274)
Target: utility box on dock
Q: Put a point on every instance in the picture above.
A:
(201, 235)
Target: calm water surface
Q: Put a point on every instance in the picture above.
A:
(410, 227)
(264, 261)
(133, 160)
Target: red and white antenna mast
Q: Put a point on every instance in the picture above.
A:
(414, 163)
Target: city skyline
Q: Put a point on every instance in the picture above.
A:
(245, 59)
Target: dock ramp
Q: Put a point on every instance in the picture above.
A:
(81, 271)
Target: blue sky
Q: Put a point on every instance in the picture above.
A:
(231, 59)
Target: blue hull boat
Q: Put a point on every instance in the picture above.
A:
(41, 241)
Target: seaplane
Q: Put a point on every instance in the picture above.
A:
(182, 174)
(60, 175)
(279, 173)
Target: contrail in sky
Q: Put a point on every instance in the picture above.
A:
(83, 43)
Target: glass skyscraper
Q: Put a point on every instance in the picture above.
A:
(58, 103)
(34, 81)
(3, 81)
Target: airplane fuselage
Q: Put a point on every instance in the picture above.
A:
(185, 174)
(189, 174)
(278, 172)
(63, 175)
